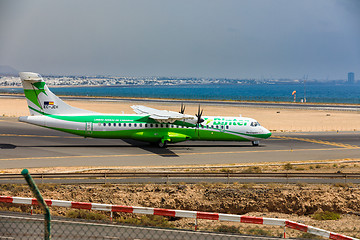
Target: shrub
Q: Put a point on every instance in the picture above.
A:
(226, 170)
(326, 215)
(147, 220)
(288, 166)
(252, 169)
(85, 214)
(309, 236)
(259, 231)
(225, 228)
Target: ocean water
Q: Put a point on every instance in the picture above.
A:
(316, 93)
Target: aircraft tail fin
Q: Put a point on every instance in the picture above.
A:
(41, 101)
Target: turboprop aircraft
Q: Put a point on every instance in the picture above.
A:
(159, 127)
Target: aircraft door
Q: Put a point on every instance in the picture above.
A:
(88, 128)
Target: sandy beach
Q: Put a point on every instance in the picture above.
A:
(276, 120)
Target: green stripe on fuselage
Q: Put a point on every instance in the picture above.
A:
(155, 134)
(152, 133)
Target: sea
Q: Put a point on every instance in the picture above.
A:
(314, 93)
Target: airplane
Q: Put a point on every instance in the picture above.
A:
(158, 127)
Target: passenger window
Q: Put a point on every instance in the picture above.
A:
(222, 127)
(129, 124)
(124, 124)
(227, 127)
(104, 124)
(151, 125)
(145, 124)
(140, 124)
(119, 124)
(217, 126)
(135, 124)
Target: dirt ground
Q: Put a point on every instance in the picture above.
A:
(295, 202)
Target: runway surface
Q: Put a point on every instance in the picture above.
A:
(26, 146)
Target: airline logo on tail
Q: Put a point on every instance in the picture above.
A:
(50, 105)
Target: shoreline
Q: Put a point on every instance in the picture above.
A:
(310, 104)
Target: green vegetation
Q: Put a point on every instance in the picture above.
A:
(309, 236)
(253, 169)
(225, 228)
(86, 214)
(146, 220)
(259, 232)
(326, 215)
(288, 166)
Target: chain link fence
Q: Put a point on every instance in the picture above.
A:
(21, 226)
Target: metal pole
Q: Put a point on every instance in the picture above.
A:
(40, 201)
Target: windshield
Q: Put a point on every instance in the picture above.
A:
(254, 124)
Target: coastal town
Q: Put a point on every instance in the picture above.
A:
(14, 81)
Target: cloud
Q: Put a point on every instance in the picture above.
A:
(189, 38)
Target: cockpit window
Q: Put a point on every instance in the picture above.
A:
(254, 124)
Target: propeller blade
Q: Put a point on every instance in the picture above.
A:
(182, 109)
(199, 119)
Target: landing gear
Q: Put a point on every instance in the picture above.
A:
(162, 144)
(255, 143)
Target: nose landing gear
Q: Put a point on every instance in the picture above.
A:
(255, 143)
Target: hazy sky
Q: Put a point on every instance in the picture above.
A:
(200, 38)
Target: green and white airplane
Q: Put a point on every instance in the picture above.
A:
(150, 125)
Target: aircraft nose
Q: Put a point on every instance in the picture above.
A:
(266, 132)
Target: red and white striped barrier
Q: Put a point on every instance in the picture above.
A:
(180, 213)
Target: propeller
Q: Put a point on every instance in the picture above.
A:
(182, 109)
(199, 119)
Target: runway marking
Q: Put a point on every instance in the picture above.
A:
(29, 135)
(342, 145)
(168, 154)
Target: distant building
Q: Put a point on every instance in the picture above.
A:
(351, 78)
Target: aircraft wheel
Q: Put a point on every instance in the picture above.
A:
(255, 143)
(162, 144)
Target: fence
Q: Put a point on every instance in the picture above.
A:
(180, 213)
(191, 177)
(26, 227)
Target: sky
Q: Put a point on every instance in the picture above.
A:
(187, 38)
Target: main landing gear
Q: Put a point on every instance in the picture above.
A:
(162, 144)
(255, 143)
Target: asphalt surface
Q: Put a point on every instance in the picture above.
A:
(26, 146)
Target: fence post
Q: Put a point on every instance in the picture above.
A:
(41, 202)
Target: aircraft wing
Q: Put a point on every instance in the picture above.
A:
(161, 115)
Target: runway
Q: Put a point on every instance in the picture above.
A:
(27, 146)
